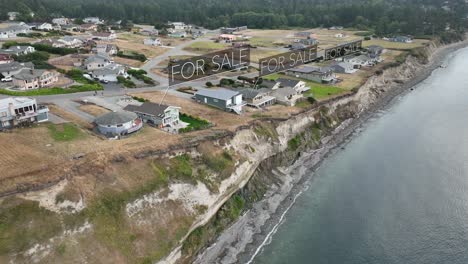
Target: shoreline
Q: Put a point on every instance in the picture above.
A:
(252, 230)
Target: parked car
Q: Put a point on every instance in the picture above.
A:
(104, 81)
(7, 79)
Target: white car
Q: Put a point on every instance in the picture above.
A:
(7, 79)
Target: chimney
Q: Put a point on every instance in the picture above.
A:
(12, 109)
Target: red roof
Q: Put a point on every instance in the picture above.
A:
(5, 57)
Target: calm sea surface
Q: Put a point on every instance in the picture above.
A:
(397, 193)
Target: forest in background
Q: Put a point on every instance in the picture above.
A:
(414, 17)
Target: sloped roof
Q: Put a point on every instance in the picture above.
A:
(27, 74)
(221, 93)
(287, 82)
(250, 93)
(148, 108)
(115, 118)
(14, 66)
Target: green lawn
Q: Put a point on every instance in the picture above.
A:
(195, 123)
(395, 45)
(317, 90)
(65, 132)
(54, 90)
(206, 46)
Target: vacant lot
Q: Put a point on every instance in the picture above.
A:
(206, 46)
(93, 109)
(395, 45)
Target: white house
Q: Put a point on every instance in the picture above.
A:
(361, 61)
(12, 15)
(45, 26)
(152, 42)
(18, 50)
(13, 30)
(110, 72)
(93, 20)
(178, 26)
(109, 49)
(71, 41)
(61, 21)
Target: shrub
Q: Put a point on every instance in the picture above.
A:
(209, 84)
(132, 55)
(126, 82)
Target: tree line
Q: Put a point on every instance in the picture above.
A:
(384, 17)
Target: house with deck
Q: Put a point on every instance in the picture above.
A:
(362, 60)
(28, 79)
(21, 110)
(221, 98)
(97, 61)
(313, 73)
(258, 98)
(156, 114)
(297, 85)
(286, 96)
(110, 72)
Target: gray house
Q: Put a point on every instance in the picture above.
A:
(222, 98)
(118, 123)
(12, 68)
(312, 73)
(157, 114)
(343, 67)
(375, 51)
(21, 110)
(258, 97)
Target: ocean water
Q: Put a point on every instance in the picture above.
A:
(396, 193)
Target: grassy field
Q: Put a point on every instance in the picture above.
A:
(267, 42)
(206, 46)
(54, 90)
(65, 132)
(395, 45)
(317, 90)
(194, 123)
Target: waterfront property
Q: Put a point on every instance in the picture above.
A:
(258, 97)
(343, 67)
(156, 114)
(118, 123)
(21, 110)
(362, 60)
(286, 96)
(313, 73)
(298, 85)
(28, 79)
(222, 98)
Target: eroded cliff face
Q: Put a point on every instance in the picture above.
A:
(168, 206)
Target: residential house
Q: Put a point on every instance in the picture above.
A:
(18, 50)
(21, 110)
(313, 73)
(104, 36)
(149, 32)
(28, 79)
(118, 123)
(298, 46)
(375, 51)
(156, 114)
(298, 85)
(258, 97)
(72, 41)
(227, 38)
(225, 30)
(361, 61)
(52, 42)
(308, 41)
(340, 35)
(286, 96)
(343, 67)
(93, 20)
(61, 21)
(88, 27)
(96, 62)
(45, 27)
(152, 42)
(13, 30)
(402, 39)
(109, 73)
(179, 26)
(70, 27)
(222, 98)
(12, 15)
(304, 34)
(5, 58)
(12, 68)
(109, 49)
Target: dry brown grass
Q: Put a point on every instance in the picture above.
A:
(93, 109)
